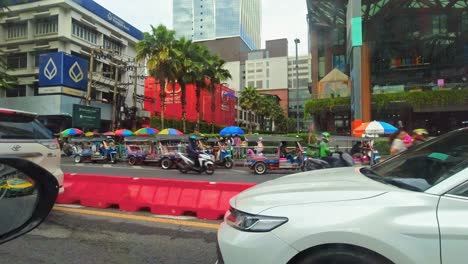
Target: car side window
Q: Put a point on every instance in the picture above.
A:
(461, 190)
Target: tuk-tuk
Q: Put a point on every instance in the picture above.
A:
(94, 150)
(168, 148)
(281, 159)
(137, 149)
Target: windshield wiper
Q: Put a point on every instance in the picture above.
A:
(388, 180)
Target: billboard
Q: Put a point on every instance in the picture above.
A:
(86, 116)
(224, 99)
(61, 69)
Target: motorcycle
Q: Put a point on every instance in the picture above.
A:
(186, 164)
(225, 159)
(343, 160)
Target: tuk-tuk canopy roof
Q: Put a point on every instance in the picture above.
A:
(86, 139)
(253, 138)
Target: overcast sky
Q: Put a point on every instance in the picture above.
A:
(280, 18)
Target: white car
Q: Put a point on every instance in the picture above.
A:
(412, 208)
(23, 136)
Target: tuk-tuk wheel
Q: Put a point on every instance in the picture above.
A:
(260, 168)
(77, 159)
(166, 164)
(132, 161)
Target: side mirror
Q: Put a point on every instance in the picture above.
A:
(27, 195)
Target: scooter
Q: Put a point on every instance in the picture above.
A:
(186, 164)
(225, 159)
(344, 160)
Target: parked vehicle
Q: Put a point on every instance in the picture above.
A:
(222, 153)
(23, 136)
(135, 152)
(411, 208)
(186, 164)
(96, 149)
(261, 163)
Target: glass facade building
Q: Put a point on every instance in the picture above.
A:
(202, 20)
(408, 46)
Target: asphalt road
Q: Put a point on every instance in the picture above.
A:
(237, 174)
(82, 238)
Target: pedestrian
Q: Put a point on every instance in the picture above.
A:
(237, 144)
(259, 148)
(397, 144)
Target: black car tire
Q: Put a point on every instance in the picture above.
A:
(166, 164)
(343, 256)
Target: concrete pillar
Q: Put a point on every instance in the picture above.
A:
(315, 60)
(366, 82)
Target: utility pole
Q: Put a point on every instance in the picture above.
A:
(90, 78)
(114, 101)
(135, 87)
(297, 41)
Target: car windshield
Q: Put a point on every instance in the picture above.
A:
(425, 165)
(22, 127)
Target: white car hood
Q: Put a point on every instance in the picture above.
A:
(319, 186)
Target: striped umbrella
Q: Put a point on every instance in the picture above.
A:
(170, 131)
(72, 132)
(124, 133)
(146, 131)
(375, 128)
(110, 133)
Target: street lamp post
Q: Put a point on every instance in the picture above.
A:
(297, 41)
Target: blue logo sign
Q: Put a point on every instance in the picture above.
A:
(61, 69)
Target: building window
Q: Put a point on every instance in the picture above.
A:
(17, 30)
(339, 35)
(439, 24)
(19, 91)
(268, 73)
(465, 21)
(268, 84)
(339, 62)
(17, 61)
(259, 84)
(251, 84)
(112, 44)
(46, 26)
(83, 32)
(37, 54)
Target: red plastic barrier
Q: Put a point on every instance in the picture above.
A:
(208, 200)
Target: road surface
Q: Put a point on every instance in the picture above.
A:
(83, 235)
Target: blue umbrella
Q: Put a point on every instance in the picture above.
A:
(232, 130)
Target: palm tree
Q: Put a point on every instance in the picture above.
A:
(216, 74)
(249, 99)
(203, 59)
(157, 48)
(187, 70)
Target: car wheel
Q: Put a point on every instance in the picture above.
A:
(166, 164)
(343, 256)
(77, 159)
(260, 168)
(132, 161)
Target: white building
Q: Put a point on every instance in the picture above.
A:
(267, 73)
(215, 19)
(75, 27)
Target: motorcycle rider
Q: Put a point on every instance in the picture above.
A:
(325, 153)
(419, 136)
(193, 150)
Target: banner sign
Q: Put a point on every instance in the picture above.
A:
(61, 69)
(86, 117)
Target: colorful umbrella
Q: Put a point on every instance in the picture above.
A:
(170, 131)
(124, 133)
(110, 133)
(146, 131)
(72, 132)
(375, 127)
(231, 130)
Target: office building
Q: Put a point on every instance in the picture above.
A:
(202, 20)
(418, 47)
(74, 27)
(299, 95)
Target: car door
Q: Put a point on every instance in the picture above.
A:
(453, 224)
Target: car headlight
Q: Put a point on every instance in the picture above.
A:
(253, 223)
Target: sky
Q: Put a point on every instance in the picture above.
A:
(281, 19)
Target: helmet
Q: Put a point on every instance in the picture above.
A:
(109, 137)
(420, 131)
(192, 138)
(326, 135)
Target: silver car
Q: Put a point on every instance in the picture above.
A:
(22, 135)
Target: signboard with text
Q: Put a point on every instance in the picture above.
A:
(61, 69)
(86, 116)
